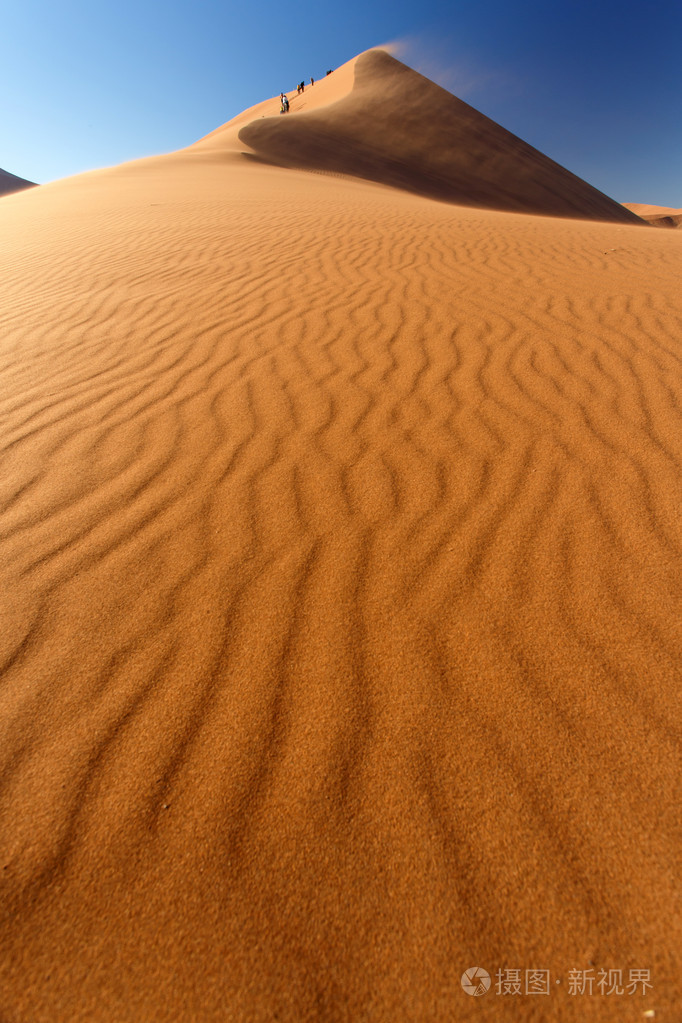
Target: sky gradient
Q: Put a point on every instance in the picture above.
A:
(595, 86)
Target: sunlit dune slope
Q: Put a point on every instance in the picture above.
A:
(659, 216)
(11, 183)
(325, 92)
(396, 127)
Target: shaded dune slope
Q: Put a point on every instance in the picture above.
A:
(398, 128)
(11, 183)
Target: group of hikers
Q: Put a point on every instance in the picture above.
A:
(283, 99)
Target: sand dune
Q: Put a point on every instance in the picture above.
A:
(396, 127)
(659, 216)
(341, 551)
(11, 183)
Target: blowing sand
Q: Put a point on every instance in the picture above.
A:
(341, 626)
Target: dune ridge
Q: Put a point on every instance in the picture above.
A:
(341, 650)
(396, 127)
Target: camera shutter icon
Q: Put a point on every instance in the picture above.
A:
(475, 981)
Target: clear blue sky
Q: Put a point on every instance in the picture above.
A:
(595, 85)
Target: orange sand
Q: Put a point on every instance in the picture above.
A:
(341, 560)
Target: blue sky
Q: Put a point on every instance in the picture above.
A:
(596, 86)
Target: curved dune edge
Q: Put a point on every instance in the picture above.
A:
(398, 128)
(659, 216)
(327, 91)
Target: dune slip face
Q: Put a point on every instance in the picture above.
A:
(341, 560)
(396, 127)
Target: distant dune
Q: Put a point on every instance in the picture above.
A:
(341, 564)
(659, 216)
(11, 183)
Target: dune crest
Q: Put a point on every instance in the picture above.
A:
(324, 93)
(398, 128)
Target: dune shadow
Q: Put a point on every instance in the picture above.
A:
(398, 128)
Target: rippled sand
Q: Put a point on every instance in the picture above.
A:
(340, 638)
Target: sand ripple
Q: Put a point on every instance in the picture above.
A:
(341, 643)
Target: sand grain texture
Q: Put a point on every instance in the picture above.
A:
(341, 623)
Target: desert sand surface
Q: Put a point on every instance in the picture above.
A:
(341, 573)
(12, 183)
(659, 216)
